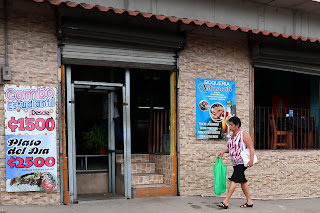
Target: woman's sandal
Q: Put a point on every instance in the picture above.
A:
(222, 205)
(246, 205)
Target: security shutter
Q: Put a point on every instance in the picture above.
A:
(293, 60)
(119, 46)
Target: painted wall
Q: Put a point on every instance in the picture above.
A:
(246, 14)
(85, 180)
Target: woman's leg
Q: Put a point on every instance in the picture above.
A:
(245, 189)
(232, 187)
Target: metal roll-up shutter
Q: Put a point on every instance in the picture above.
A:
(291, 60)
(116, 55)
(287, 66)
(84, 44)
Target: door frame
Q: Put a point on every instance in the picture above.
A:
(71, 142)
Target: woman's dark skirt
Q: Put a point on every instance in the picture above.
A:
(238, 174)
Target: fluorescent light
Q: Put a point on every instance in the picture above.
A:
(141, 107)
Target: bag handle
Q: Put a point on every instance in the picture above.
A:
(239, 140)
(242, 142)
(218, 159)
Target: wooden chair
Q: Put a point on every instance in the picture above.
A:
(305, 135)
(308, 141)
(284, 136)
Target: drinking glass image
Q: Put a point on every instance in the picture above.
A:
(225, 122)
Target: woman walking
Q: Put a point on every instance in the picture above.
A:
(237, 137)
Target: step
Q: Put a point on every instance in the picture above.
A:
(153, 190)
(144, 179)
(134, 158)
(162, 185)
(139, 168)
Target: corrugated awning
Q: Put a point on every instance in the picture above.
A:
(176, 19)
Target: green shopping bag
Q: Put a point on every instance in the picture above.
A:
(219, 175)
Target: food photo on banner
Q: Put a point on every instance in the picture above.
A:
(215, 105)
(30, 135)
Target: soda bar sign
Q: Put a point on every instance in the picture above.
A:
(215, 104)
(30, 136)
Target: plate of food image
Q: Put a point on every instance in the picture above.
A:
(203, 105)
(217, 112)
(24, 183)
(34, 181)
(48, 182)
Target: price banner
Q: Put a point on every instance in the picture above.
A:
(30, 135)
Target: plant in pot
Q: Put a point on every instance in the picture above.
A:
(97, 138)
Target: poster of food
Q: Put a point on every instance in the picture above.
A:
(215, 104)
(30, 138)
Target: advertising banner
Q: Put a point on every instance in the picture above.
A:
(30, 136)
(215, 104)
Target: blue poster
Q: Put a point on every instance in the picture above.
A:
(215, 105)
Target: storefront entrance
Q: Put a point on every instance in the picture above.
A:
(136, 54)
(91, 137)
(111, 113)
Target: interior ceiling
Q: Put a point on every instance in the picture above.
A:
(304, 5)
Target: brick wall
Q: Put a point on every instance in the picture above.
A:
(285, 174)
(212, 58)
(279, 174)
(164, 166)
(32, 49)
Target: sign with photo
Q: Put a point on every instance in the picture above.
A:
(30, 137)
(215, 104)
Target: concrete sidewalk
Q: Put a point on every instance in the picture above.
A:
(174, 205)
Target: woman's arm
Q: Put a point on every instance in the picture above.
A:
(248, 141)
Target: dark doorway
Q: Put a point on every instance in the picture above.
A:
(150, 90)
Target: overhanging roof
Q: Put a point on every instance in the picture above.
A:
(177, 19)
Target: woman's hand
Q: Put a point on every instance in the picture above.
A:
(250, 163)
(224, 151)
(221, 154)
